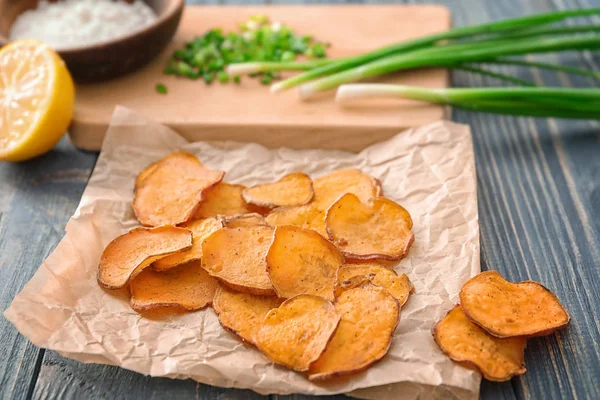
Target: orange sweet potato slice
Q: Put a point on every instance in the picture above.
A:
(224, 199)
(300, 261)
(328, 188)
(369, 318)
(378, 230)
(294, 189)
(237, 257)
(201, 229)
(127, 255)
(170, 191)
(308, 216)
(506, 309)
(243, 313)
(188, 286)
(240, 220)
(352, 275)
(464, 342)
(296, 333)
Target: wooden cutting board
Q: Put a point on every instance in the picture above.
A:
(249, 112)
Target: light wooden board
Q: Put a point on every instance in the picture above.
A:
(249, 112)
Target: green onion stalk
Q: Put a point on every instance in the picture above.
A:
(530, 101)
(524, 26)
(448, 56)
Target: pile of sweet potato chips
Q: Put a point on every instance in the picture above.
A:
(301, 269)
(489, 329)
(297, 268)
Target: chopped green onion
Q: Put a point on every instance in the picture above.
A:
(257, 41)
(160, 88)
(237, 79)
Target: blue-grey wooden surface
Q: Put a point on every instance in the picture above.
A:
(539, 208)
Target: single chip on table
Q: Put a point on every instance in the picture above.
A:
(369, 316)
(300, 261)
(296, 333)
(243, 313)
(294, 189)
(506, 309)
(464, 342)
(328, 188)
(223, 199)
(171, 189)
(308, 216)
(187, 286)
(127, 255)
(201, 229)
(352, 275)
(378, 230)
(238, 258)
(240, 220)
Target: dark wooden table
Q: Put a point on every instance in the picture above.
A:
(539, 209)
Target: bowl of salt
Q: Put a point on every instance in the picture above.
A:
(98, 39)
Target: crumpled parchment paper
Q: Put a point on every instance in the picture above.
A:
(429, 170)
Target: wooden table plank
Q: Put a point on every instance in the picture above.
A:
(539, 191)
(36, 199)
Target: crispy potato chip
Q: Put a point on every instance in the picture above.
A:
(243, 313)
(238, 258)
(353, 275)
(294, 189)
(369, 318)
(188, 286)
(170, 191)
(506, 309)
(328, 188)
(240, 220)
(308, 216)
(223, 199)
(463, 341)
(201, 229)
(296, 333)
(379, 230)
(127, 255)
(301, 261)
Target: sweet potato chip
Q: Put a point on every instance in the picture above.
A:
(296, 333)
(301, 261)
(463, 341)
(127, 255)
(223, 199)
(378, 230)
(328, 188)
(369, 318)
(171, 190)
(188, 286)
(506, 309)
(308, 216)
(201, 229)
(240, 220)
(352, 275)
(243, 313)
(294, 189)
(238, 258)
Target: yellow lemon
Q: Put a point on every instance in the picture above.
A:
(37, 97)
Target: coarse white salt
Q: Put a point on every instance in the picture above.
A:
(74, 23)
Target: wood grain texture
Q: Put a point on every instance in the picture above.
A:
(539, 207)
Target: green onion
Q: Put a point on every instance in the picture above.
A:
(511, 25)
(531, 101)
(258, 41)
(448, 56)
(160, 88)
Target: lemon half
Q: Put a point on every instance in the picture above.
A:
(37, 97)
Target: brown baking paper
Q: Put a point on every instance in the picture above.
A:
(429, 170)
